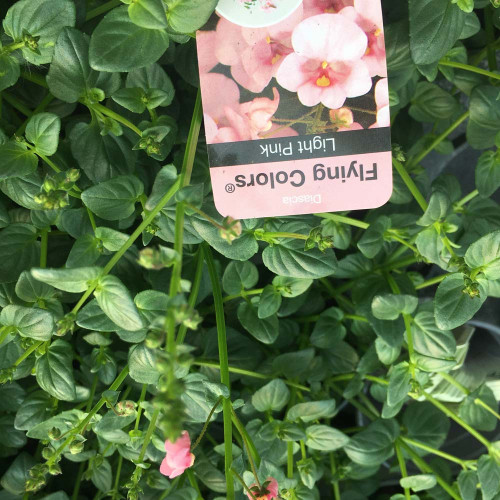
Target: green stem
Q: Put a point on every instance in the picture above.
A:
(242, 482)
(402, 466)
(116, 487)
(194, 483)
(44, 240)
(467, 198)
(149, 434)
(11, 47)
(102, 9)
(248, 373)
(432, 281)
(99, 108)
(207, 423)
(95, 380)
(34, 78)
(78, 482)
(295, 236)
(142, 397)
(224, 367)
(118, 255)
(245, 436)
(440, 138)
(5, 331)
(490, 38)
(303, 451)
(457, 419)
(410, 184)
(28, 353)
(16, 104)
(468, 67)
(92, 219)
(289, 460)
(434, 451)
(193, 296)
(335, 483)
(344, 220)
(243, 294)
(45, 102)
(356, 317)
(429, 470)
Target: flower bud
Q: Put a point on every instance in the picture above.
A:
(125, 408)
(76, 447)
(55, 433)
(55, 469)
(48, 452)
(231, 229)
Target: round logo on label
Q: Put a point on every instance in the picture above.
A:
(256, 13)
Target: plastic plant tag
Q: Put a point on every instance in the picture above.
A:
(296, 106)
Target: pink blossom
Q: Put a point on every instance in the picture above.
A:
(205, 42)
(382, 100)
(367, 14)
(315, 7)
(269, 490)
(327, 64)
(178, 458)
(219, 93)
(254, 54)
(344, 120)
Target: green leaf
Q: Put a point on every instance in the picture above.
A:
(467, 484)
(272, 397)
(102, 158)
(19, 250)
(16, 160)
(325, 438)
(23, 190)
(39, 18)
(435, 348)
(389, 307)
(288, 258)
(12, 396)
(148, 14)
(34, 410)
(485, 254)
(453, 307)
(155, 83)
(372, 240)
(269, 302)
(42, 130)
(293, 365)
(187, 16)
(291, 287)
(313, 410)
(373, 445)
(439, 205)
(477, 416)
(64, 421)
(239, 276)
(488, 173)
(431, 103)
(114, 199)
(399, 384)
(85, 252)
(420, 482)
(92, 317)
(264, 330)
(328, 330)
(11, 438)
(29, 322)
(484, 120)
(54, 371)
(102, 476)
(111, 239)
(115, 300)
(425, 423)
(488, 472)
(118, 44)
(70, 280)
(15, 477)
(435, 26)
(32, 290)
(9, 71)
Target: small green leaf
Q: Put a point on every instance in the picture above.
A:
(420, 482)
(325, 438)
(488, 173)
(9, 71)
(187, 16)
(32, 290)
(467, 484)
(114, 199)
(148, 14)
(142, 364)
(29, 322)
(372, 240)
(70, 280)
(239, 276)
(314, 410)
(54, 371)
(484, 120)
(111, 239)
(265, 330)
(272, 397)
(42, 130)
(485, 254)
(488, 472)
(389, 307)
(269, 302)
(115, 300)
(16, 160)
(399, 384)
(476, 415)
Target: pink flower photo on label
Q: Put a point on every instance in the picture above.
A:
(327, 63)
(382, 100)
(315, 7)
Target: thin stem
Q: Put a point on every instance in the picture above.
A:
(295, 236)
(472, 69)
(142, 397)
(92, 219)
(44, 240)
(194, 483)
(27, 353)
(335, 483)
(248, 373)
(344, 220)
(435, 451)
(289, 459)
(95, 380)
(102, 9)
(303, 451)
(118, 255)
(410, 184)
(429, 470)
(149, 433)
(116, 487)
(16, 104)
(432, 281)
(5, 331)
(207, 423)
(245, 436)
(242, 482)
(224, 367)
(440, 138)
(76, 489)
(467, 198)
(99, 108)
(243, 294)
(402, 466)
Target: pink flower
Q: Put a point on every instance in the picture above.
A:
(179, 456)
(382, 100)
(367, 14)
(327, 64)
(259, 113)
(315, 7)
(219, 93)
(344, 120)
(269, 490)
(254, 54)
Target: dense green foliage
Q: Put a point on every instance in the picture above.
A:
(327, 351)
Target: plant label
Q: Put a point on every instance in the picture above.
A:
(296, 106)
